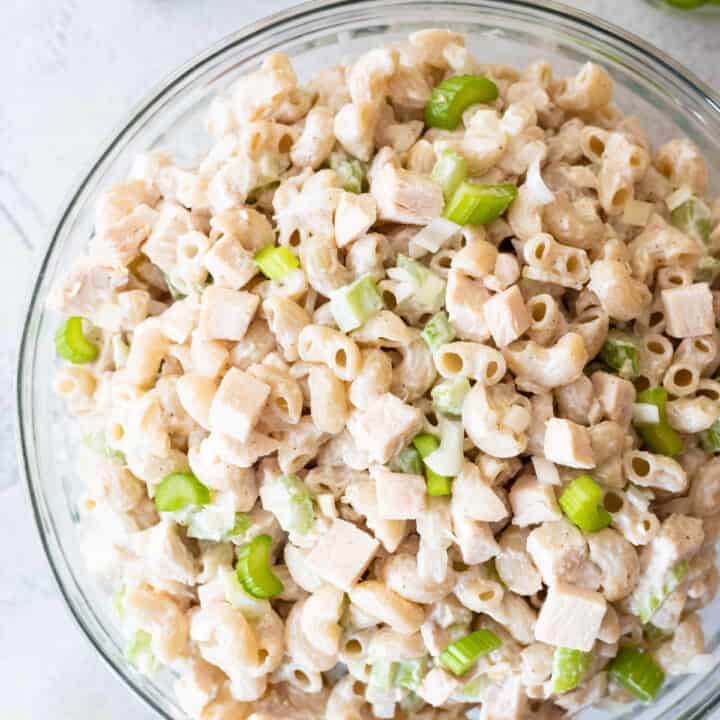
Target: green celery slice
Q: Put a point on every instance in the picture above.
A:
(71, 343)
(253, 569)
(453, 96)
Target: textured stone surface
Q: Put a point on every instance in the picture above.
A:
(71, 71)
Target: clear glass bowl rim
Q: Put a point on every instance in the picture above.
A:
(548, 10)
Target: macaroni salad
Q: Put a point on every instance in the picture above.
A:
(402, 400)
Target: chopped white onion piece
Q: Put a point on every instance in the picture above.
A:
(434, 236)
(680, 196)
(545, 471)
(447, 460)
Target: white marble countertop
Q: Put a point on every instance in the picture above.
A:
(73, 68)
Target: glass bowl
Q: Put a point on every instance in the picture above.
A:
(668, 98)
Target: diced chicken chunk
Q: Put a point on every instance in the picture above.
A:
(570, 617)
(354, 216)
(86, 287)
(475, 498)
(226, 314)
(406, 197)
(343, 554)
(385, 427)
(616, 396)
(558, 549)
(680, 537)
(437, 687)
(400, 496)
(238, 403)
(532, 502)
(506, 316)
(505, 702)
(689, 310)
(568, 443)
(577, 402)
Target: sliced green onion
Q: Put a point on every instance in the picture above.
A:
(408, 461)
(453, 96)
(97, 442)
(241, 526)
(437, 485)
(621, 354)
(475, 204)
(460, 656)
(580, 502)
(449, 171)
(253, 569)
(694, 218)
(410, 673)
(429, 287)
(350, 172)
(301, 506)
(438, 331)
(239, 598)
(178, 490)
(638, 672)
(708, 268)
(448, 396)
(382, 674)
(71, 343)
(658, 437)
(569, 666)
(276, 262)
(353, 305)
(651, 602)
(710, 438)
(138, 652)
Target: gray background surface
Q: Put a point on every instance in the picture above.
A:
(70, 71)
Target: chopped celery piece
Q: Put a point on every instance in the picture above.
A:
(253, 569)
(569, 666)
(97, 441)
(429, 287)
(693, 217)
(276, 262)
(708, 268)
(178, 490)
(461, 655)
(301, 506)
(438, 331)
(449, 171)
(651, 602)
(580, 502)
(453, 96)
(658, 437)
(710, 438)
(71, 343)
(638, 672)
(656, 634)
(448, 396)
(475, 204)
(408, 461)
(382, 674)
(353, 305)
(437, 485)
(241, 526)
(350, 171)
(621, 354)
(237, 596)
(138, 652)
(410, 673)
